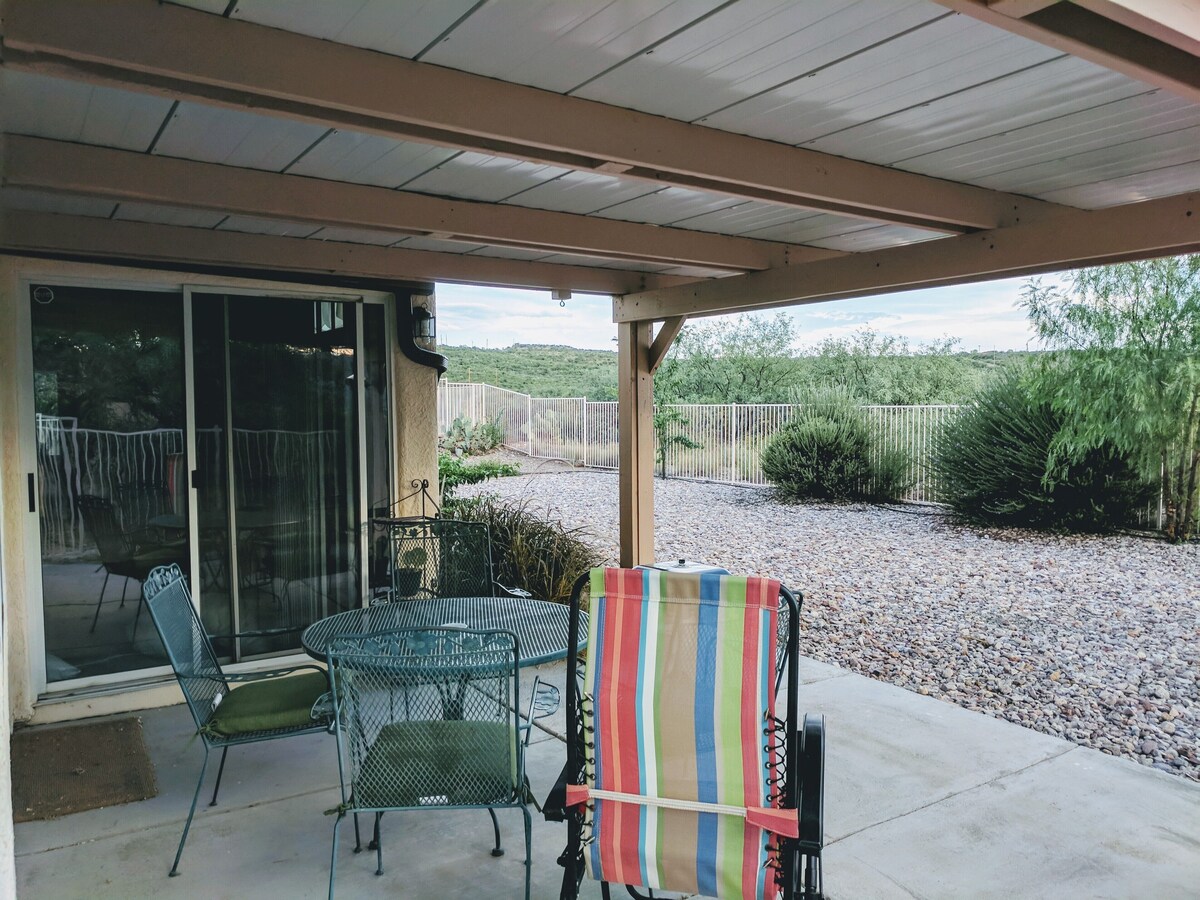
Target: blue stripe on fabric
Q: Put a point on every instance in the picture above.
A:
(706, 759)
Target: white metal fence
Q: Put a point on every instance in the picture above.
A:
(730, 437)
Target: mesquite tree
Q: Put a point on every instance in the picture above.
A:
(1127, 371)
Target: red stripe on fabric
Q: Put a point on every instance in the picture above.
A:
(609, 836)
(577, 794)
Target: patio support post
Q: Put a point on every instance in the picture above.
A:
(635, 393)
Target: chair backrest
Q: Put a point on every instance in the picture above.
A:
(141, 501)
(187, 643)
(100, 520)
(427, 717)
(441, 558)
(684, 766)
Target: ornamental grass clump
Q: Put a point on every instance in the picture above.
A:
(529, 549)
(994, 467)
(827, 452)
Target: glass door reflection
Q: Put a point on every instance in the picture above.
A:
(291, 466)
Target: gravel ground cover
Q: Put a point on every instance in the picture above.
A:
(1093, 639)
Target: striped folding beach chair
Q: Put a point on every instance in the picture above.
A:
(680, 774)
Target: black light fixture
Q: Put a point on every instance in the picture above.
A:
(424, 324)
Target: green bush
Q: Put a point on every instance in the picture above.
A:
(453, 473)
(529, 550)
(827, 452)
(992, 460)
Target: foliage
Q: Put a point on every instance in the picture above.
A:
(1127, 373)
(530, 551)
(453, 472)
(665, 437)
(537, 370)
(468, 438)
(885, 370)
(741, 359)
(991, 463)
(826, 452)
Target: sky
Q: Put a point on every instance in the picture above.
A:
(981, 316)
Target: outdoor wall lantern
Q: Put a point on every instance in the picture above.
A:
(424, 324)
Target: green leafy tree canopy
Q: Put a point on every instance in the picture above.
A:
(1127, 371)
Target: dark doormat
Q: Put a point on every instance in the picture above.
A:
(59, 771)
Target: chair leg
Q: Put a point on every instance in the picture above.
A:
(96, 617)
(497, 850)
(337, 823)
(191, 812)
(378, 844)
(220, 772)
(123, 588)
(138, 614)
(528, 848)
(357, 836)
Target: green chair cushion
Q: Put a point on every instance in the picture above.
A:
(268, 705)
(439, 763)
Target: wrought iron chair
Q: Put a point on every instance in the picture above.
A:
(443, 558)
(268, 706)
(426, 718)
(126, 554)
(680, 775)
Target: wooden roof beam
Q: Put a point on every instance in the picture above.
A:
(124, 176)
(49, 234)
(1152, 228)
(186, 54)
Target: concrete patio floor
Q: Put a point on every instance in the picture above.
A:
(923, 800)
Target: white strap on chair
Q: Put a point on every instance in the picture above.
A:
(780, 821)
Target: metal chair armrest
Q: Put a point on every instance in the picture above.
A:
(514, 591)
(272, 673)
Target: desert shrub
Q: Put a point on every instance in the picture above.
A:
(992, 462)
(467, 438)
(827, 452)
(453, 473)
(529, 549)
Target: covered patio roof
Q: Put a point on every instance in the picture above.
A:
(688, 157)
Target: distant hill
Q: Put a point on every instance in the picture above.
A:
(542, 370)
(549, 370)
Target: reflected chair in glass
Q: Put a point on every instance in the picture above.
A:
(443, 558)
(267, 706)
(426, 719)
(680, 774)
(126, 554)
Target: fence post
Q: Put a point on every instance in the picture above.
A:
(585, 431)
(733, 439)
(529, 424)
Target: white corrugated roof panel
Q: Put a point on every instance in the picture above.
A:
(573, 259)
(475, 176)
(748, 217)
(1131, 188)
(252, 225)
(560, 44)
(368, 159)
(74, 111)
(1120, 121)
(511, 253)
(876, 238)
(948, 55)
(1116, 160)
(427, 243)
(749, 47)
(398, 27)
(235, 138)
(582, 192)
(1035, 95)
(167, 215)
(812, 227)
(669, 205)
(37, 201)
(356, 236)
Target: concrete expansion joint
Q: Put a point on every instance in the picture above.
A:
(950, 796)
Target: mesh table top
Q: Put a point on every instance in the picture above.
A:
(540, 626)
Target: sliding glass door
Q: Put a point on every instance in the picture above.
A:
(239, 436)
(279, 503)
(111, 491)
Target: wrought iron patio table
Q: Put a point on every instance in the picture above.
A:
(540, 626)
